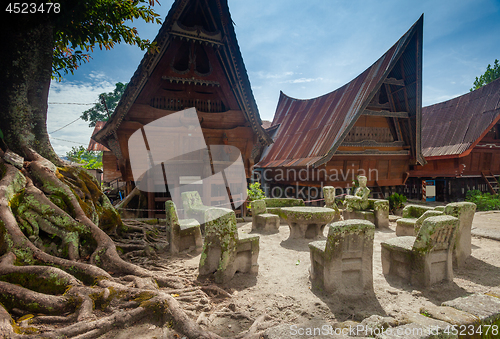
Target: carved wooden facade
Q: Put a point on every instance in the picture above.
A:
(199, 65)
(369, 126)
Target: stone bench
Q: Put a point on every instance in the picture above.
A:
(262, 221)
(425, 259)
(274, 205)
(344, 262)
(226, 250)
(377, 213)
(405, 226)
(184, 233)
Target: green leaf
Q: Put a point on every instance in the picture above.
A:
(1, 134)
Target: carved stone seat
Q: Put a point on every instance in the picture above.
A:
(193, 206)
(226, 250)
(405, 226)
(464, 211)
(343, 263)
(358, 206)
(184, 233)
(262, 221)
(425, 259)
(376, 212)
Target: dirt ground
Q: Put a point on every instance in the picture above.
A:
(282, 288)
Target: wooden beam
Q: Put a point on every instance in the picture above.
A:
(384, 113)
(394, 81)
(378, 105)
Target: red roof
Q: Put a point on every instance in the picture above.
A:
(311, 130)
(452, 127)
(94, 145)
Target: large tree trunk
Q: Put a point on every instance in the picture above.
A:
(25, 73)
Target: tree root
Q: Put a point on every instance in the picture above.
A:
(43, 207)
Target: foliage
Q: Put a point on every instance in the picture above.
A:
(488, 76)
(82, 26)
(98, 112)
(254, 192)
(483, 201)
(89, 159)
(396, 201)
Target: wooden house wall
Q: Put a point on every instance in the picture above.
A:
(110, 167)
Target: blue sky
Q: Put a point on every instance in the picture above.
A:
(307, 48)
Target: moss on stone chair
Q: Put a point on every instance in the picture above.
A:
(405, 226)
(425, 259)
(184, 233)
(262, 221)
(344, 262)
(464, 211)
(193, 206)
(226, 250)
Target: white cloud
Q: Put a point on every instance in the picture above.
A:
(63, 109)
(301, 80)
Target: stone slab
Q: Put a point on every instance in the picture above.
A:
(449, 314)
(488, 233)
(414, 331)
(323, 329)
(485, 307)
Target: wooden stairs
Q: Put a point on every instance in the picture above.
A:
(491, 181)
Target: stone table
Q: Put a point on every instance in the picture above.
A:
(307, 222)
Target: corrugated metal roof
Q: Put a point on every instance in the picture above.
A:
(452, 127)
(311, 130)
(94, 145)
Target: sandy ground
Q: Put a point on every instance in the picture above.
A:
(282, 288)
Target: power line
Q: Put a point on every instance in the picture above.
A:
(75, 142)
(68, 103)
(66, 125)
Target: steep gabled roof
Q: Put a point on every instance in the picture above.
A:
(311, 130)
(230, 54)
(94, 145)
(454, 127)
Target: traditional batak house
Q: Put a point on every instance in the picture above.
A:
(111, 171)
(369, 126)
(199, 65)
(461, 143)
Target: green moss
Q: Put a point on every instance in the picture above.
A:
(145, 295)
(15, 201)
(283, 202)
(49, 285)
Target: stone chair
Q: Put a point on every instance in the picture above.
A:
(405, 226)
(425, 259)
(226, 250)
(184, 233)
(274, 205)
(194, 208)
(464, 211)
(262, 221)
(343, 262)
(376, 212)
